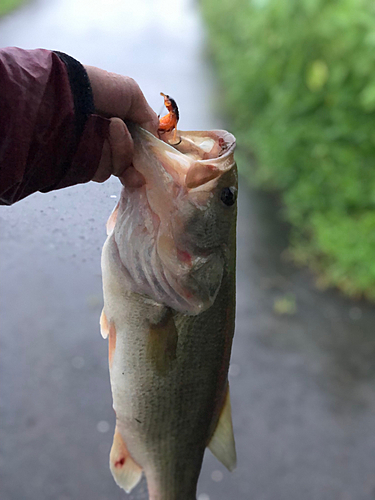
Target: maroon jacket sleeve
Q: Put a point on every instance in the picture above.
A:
(50, 137)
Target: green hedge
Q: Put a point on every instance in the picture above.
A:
(299, 82)
(8, 5)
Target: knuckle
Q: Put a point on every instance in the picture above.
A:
(133, 85)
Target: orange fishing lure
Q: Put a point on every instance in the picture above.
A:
(169, 122)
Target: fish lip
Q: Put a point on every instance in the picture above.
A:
(228, 139)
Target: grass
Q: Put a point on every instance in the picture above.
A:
(7, 6)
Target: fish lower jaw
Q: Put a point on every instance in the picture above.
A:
(179, 304)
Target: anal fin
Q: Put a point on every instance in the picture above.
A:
(126, 472)
(222, 443)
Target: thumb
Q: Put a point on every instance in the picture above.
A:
(122, 146)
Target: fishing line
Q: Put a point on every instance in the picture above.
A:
(161, 109)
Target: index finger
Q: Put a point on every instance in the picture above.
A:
(137, 109)
(120, 96)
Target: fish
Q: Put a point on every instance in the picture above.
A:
(168, 271)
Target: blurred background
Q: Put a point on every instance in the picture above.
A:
(295, 82)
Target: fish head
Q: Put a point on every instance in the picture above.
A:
(174, 230)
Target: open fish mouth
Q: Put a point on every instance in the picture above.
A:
(195, 159)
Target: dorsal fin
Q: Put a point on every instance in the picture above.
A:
(126, 472)
(222, 443)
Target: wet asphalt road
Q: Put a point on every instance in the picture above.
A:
(302, 384)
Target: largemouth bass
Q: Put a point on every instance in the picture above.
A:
(168, 269)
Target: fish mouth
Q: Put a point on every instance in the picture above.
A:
(195, 159)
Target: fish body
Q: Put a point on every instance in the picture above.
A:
(168, 269)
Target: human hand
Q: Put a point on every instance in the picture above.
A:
(119, 98)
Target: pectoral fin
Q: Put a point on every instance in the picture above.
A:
(111, 342)
(222, 442)
(126, 472)
(108, 329)
(111, 222)
(162, 344)
(104, 328)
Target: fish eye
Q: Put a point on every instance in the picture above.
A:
(228, 196)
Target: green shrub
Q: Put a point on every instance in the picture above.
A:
(8, 5)
(299, 81)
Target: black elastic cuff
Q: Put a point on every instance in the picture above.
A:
(81, 90)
